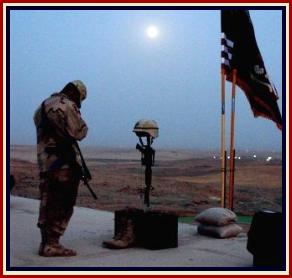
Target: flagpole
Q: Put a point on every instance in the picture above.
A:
(225, 172)
(223, 153)
(232, 150)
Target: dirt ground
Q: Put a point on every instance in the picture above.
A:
(186, 182)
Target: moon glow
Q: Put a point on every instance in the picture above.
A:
(152, 32)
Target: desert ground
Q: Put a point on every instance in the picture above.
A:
(184, 181)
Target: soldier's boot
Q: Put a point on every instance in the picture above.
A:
(125, 238)
(43, 241)
(52, 247)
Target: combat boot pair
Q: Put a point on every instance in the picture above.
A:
(50, 246)
(125, 237)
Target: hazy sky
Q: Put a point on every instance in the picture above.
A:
(173, 78)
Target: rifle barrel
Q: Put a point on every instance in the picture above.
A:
(90, 190)
(86, 174)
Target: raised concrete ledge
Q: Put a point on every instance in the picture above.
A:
(89, 228)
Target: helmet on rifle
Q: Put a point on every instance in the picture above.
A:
(145, 128)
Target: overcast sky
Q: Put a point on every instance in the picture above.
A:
(173, 78)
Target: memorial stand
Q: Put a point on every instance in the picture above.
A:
(147, 228)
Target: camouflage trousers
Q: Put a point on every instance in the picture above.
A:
(58, 193)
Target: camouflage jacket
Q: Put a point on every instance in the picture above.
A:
(58, 123)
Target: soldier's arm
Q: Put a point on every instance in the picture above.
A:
(64, 117)
(75, 125)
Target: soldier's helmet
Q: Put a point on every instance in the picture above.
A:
(144, 128)
(81, 88)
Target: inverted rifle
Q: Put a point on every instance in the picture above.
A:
(147, 159)
(85, 174)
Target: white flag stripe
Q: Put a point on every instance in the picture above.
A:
(224, 61)
(225, 50)
(229, 43)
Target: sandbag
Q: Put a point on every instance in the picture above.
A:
(216, 216)
(227, 231)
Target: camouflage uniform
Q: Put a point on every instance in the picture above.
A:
(58, 122)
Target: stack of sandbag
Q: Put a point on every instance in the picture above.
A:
(218, 223)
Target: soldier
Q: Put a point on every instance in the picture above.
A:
(59, 124)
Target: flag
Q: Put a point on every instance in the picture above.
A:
(240, 52)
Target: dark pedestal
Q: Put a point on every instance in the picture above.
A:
(153, 229)
(265, 239)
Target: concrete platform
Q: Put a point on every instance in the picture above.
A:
(89, 228)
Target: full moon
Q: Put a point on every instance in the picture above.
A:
(152, 32)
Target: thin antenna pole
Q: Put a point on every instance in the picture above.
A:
(232, 150)
(223, 160)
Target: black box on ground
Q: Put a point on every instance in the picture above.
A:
(153, 229)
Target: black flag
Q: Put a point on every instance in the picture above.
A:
(240, 52)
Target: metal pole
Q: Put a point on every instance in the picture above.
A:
(223, 160)
(232, 179)
(225, 172)
(231, 169)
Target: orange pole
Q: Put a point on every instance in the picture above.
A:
(223, 153)
(232, 151)
(225, 172)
